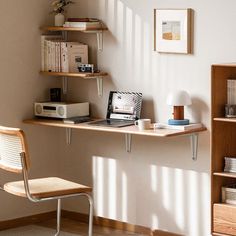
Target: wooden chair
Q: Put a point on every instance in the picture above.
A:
(14, 157)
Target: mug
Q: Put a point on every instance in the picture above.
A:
(143, 124)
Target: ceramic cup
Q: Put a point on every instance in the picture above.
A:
(143, 124)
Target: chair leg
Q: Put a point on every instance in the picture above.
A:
(58, 217)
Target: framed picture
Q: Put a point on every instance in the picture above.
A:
(172, 30)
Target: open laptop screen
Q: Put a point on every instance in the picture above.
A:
(124, 105)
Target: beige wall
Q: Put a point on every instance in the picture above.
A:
(157, 184)
(20, 86)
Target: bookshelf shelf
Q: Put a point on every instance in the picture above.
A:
(223, 138)
(98, 75)
(225, 174)
(223, 119)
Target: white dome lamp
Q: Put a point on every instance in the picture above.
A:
(178, 99)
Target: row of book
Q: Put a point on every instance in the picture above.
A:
(230, 164)
(231, 91)
(58, 55)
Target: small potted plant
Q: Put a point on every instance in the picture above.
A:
(59, 9)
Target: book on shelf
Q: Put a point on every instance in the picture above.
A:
(61, 56)
(231, 91)
(83, 20)
(89, 25)
(191, 126)
(44, 39)
(76, 119)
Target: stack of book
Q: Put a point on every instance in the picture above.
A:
(231, 91)
(83, 23)
(60, 56)
(230, 164)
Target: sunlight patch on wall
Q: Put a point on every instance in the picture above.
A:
(120, 22)
(124, 197)
(153, 171)
(98, 182)
(112, 188)
(179, 198)
(137, 47)
(165, 173)
(155, 224)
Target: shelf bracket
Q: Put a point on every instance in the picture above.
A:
(194, 145)
(68, 136)
(128, 141)
(100, 41)
(100, 86)
(65, 84)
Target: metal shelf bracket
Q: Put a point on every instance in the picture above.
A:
(100, 41)
(100, 86)
(128, 142)
(194, 145)
(68, 136)
(65, 85)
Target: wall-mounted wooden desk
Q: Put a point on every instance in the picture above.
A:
(128, 131)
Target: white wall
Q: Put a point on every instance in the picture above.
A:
(157, 184)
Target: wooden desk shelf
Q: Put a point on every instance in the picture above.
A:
(128, 131)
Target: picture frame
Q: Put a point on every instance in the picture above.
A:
(173, 31)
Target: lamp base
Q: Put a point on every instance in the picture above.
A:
(178, 122)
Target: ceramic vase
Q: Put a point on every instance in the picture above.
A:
(59, 19)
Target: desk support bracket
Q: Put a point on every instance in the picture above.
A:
(100, 86)
(128, 141)
(194, 145)
(100, 41)
(65, 85)
(68, 136)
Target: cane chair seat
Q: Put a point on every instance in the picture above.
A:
(46, 187)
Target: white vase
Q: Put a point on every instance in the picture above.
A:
(59, 19)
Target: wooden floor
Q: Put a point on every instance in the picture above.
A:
(72, 226)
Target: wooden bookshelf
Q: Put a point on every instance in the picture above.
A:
(79, 74)
(77, 29)
(223, 138)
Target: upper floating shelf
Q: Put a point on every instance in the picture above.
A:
(79, 74)
(56, 28)
(225, 174)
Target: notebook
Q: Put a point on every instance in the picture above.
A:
(122, 110)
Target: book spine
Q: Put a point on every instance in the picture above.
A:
(64, 57)
(42, 53)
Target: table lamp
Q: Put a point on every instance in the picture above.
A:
(178, 99)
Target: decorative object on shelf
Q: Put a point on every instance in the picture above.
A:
(55, 94)
(172, 30)
(59, 19)
(178, 99)
(143, 124)
(229, 194)
(59, 9)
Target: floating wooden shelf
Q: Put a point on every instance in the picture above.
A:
(128, 131)
(79, 74)
(225, 174)
(56, 28)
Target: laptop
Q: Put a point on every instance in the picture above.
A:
(122, 110)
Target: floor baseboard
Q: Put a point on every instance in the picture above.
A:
(104, 222)
(100, 221)
(8, 224)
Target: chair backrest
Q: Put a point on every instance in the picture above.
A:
(12, 144)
